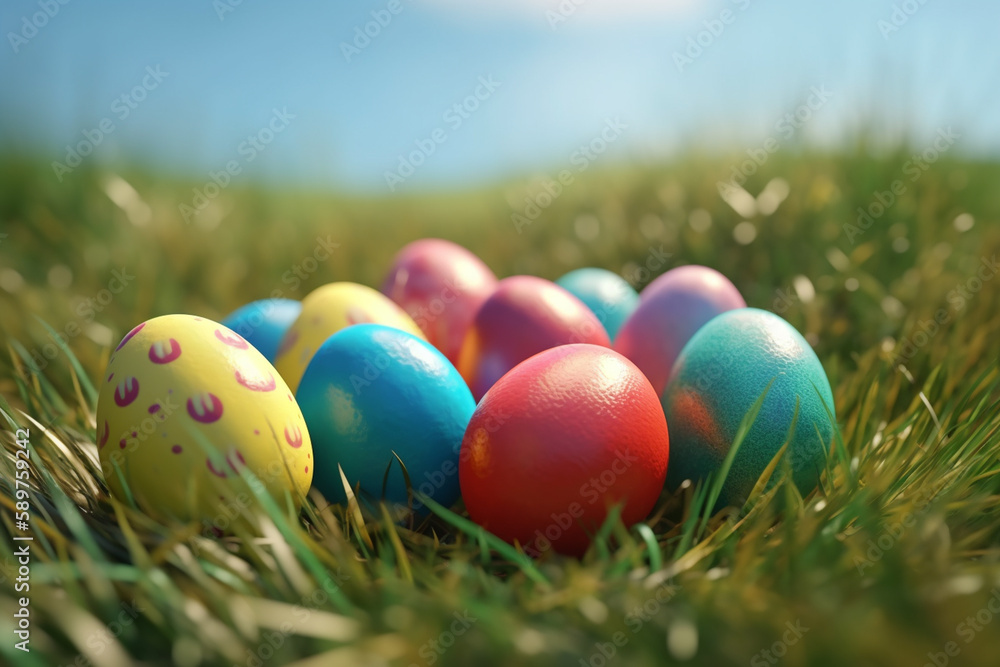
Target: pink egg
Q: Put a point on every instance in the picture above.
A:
(441, 285)
(671, 310)
(524, 316)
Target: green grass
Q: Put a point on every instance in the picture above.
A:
(881, 565)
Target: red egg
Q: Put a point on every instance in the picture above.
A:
(556, 442)
(524, 316)
(671, 310)
(441, 285)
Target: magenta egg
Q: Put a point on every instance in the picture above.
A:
(441, 285)
(525, 315)
(671, 310)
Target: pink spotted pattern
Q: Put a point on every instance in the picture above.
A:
(129, 336)
(215, 471)
(234, 460)
(164, 351)
(256, 383)
(293, 437)
(232, 339)
(126, 391)
(205, 408)
(356, 315)
(104, 436)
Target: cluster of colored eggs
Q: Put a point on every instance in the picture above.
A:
(540, 404)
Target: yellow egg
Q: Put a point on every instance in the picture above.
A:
(327, 310)
(184, 406)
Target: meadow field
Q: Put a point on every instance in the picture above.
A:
(887, 264)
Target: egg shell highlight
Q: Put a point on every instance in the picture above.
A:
(327, 310)
(185, 405)
(263, 323)
(609, 296)
(671, 310)
(440, 285)
(524, 316)
(556, 441)
(719, 376)
(371, 390)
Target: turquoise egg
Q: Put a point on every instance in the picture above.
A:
(371, 390)
(607, 294)
(718, 377)
(263, 323)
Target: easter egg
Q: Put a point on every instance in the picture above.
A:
(440, 285)
(524, 316)
(607, 294)
(718, 378)
(671, 310)
(186, 404)
(372, 392)
(327, 310)
(557, 441)
(263, 323)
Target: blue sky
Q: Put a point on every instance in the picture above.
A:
(559, 81)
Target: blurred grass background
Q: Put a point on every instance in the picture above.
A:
(861, 580)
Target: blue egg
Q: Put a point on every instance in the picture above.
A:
(718, 377)
(264, 322)
(607, 294)
(371, 390)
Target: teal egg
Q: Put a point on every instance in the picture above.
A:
(371, 391)
(607, 294)
(718, 377)
(263, 323)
